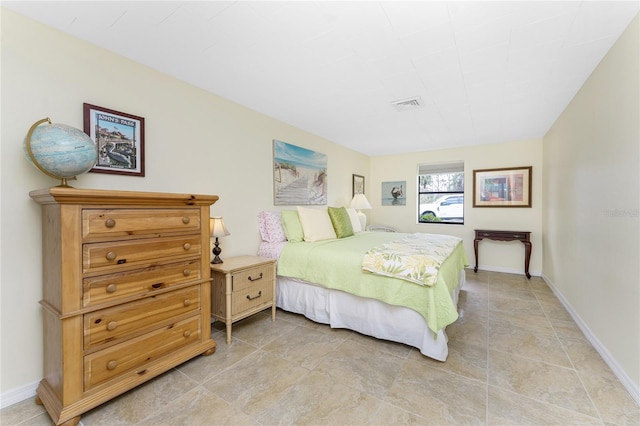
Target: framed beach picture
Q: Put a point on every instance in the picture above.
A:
(299, 175)
(509, 187)
(393, 193)
(120, 140)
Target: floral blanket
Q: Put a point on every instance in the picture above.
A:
(415, 258)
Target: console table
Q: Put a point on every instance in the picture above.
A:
(523, 236)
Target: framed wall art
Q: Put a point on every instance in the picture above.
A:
(393, 193)
(299, 175)
(120, 140)
(509, 187)
(357, 185)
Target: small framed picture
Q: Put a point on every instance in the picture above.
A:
(358, 184)
(120, 140)
(510, 187)
(393, 193)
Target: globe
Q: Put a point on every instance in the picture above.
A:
(59, 151)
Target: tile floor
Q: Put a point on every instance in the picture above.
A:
(516, 358)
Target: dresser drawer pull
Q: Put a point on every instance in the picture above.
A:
(187, 333)
(186, 246)
(111, 288)
(112, 325)
(517, 236)
(111, 365)
(109, 223)
(255, 279)
(186, 220)
(157, 285)
(122, 261)
(111, 255)
(186, 272)
(186, 302)
(255, 297)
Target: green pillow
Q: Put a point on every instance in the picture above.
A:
(292, 226)
(341, 221)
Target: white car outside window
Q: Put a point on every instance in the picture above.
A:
(450, 206)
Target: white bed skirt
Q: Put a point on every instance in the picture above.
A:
(366, 316)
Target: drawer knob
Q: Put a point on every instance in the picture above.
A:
(187, 333)
(111, 288)
(112, 325)
(186, 302)
(111, 365)
(186, 220)
(111, 255)
(109, 223)
(255, 279)
(186, 272)
(186, 246)
(254, 297)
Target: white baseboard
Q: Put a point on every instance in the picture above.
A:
(630, 386)
(16, 395)
(505, 270)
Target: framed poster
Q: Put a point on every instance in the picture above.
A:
(357, 185)
(120, 140)
(510, 187)
(299, 175)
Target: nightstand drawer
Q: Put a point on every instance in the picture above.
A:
(252, 297)
(137, 353)
(111, 324)
(111, 288)
(97, 224)
(127, 254)
(252, 277)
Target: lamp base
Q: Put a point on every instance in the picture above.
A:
(363, 220)
(216, 253)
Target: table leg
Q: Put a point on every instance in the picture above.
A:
(475, 250)
(527, 257)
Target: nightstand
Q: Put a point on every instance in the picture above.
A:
(242, 286)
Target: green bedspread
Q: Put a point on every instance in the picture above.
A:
(337, 264)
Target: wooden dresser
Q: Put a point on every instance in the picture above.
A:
(126, 292)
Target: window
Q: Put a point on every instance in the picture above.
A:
(441, 193)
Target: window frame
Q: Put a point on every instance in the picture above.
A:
(450, 167)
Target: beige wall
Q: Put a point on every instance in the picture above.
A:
(195, 143)
(495, 256)
(591, 193)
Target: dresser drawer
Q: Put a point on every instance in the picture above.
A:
(252, 277)
(113, 287)
(248, 298)
(99, 223)
(152, 251)
(111, 324)
(136, 353)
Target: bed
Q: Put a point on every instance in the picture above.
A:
(322, 278)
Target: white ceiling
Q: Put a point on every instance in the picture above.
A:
(486, 72)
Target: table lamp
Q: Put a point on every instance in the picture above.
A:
(360, 203)
(217, 228)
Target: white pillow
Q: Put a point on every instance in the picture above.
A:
(316, 224)
(355, 220)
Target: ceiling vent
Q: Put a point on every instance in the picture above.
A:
(407, 104)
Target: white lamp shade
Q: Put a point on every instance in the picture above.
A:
(217, 228)
(360, 202)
